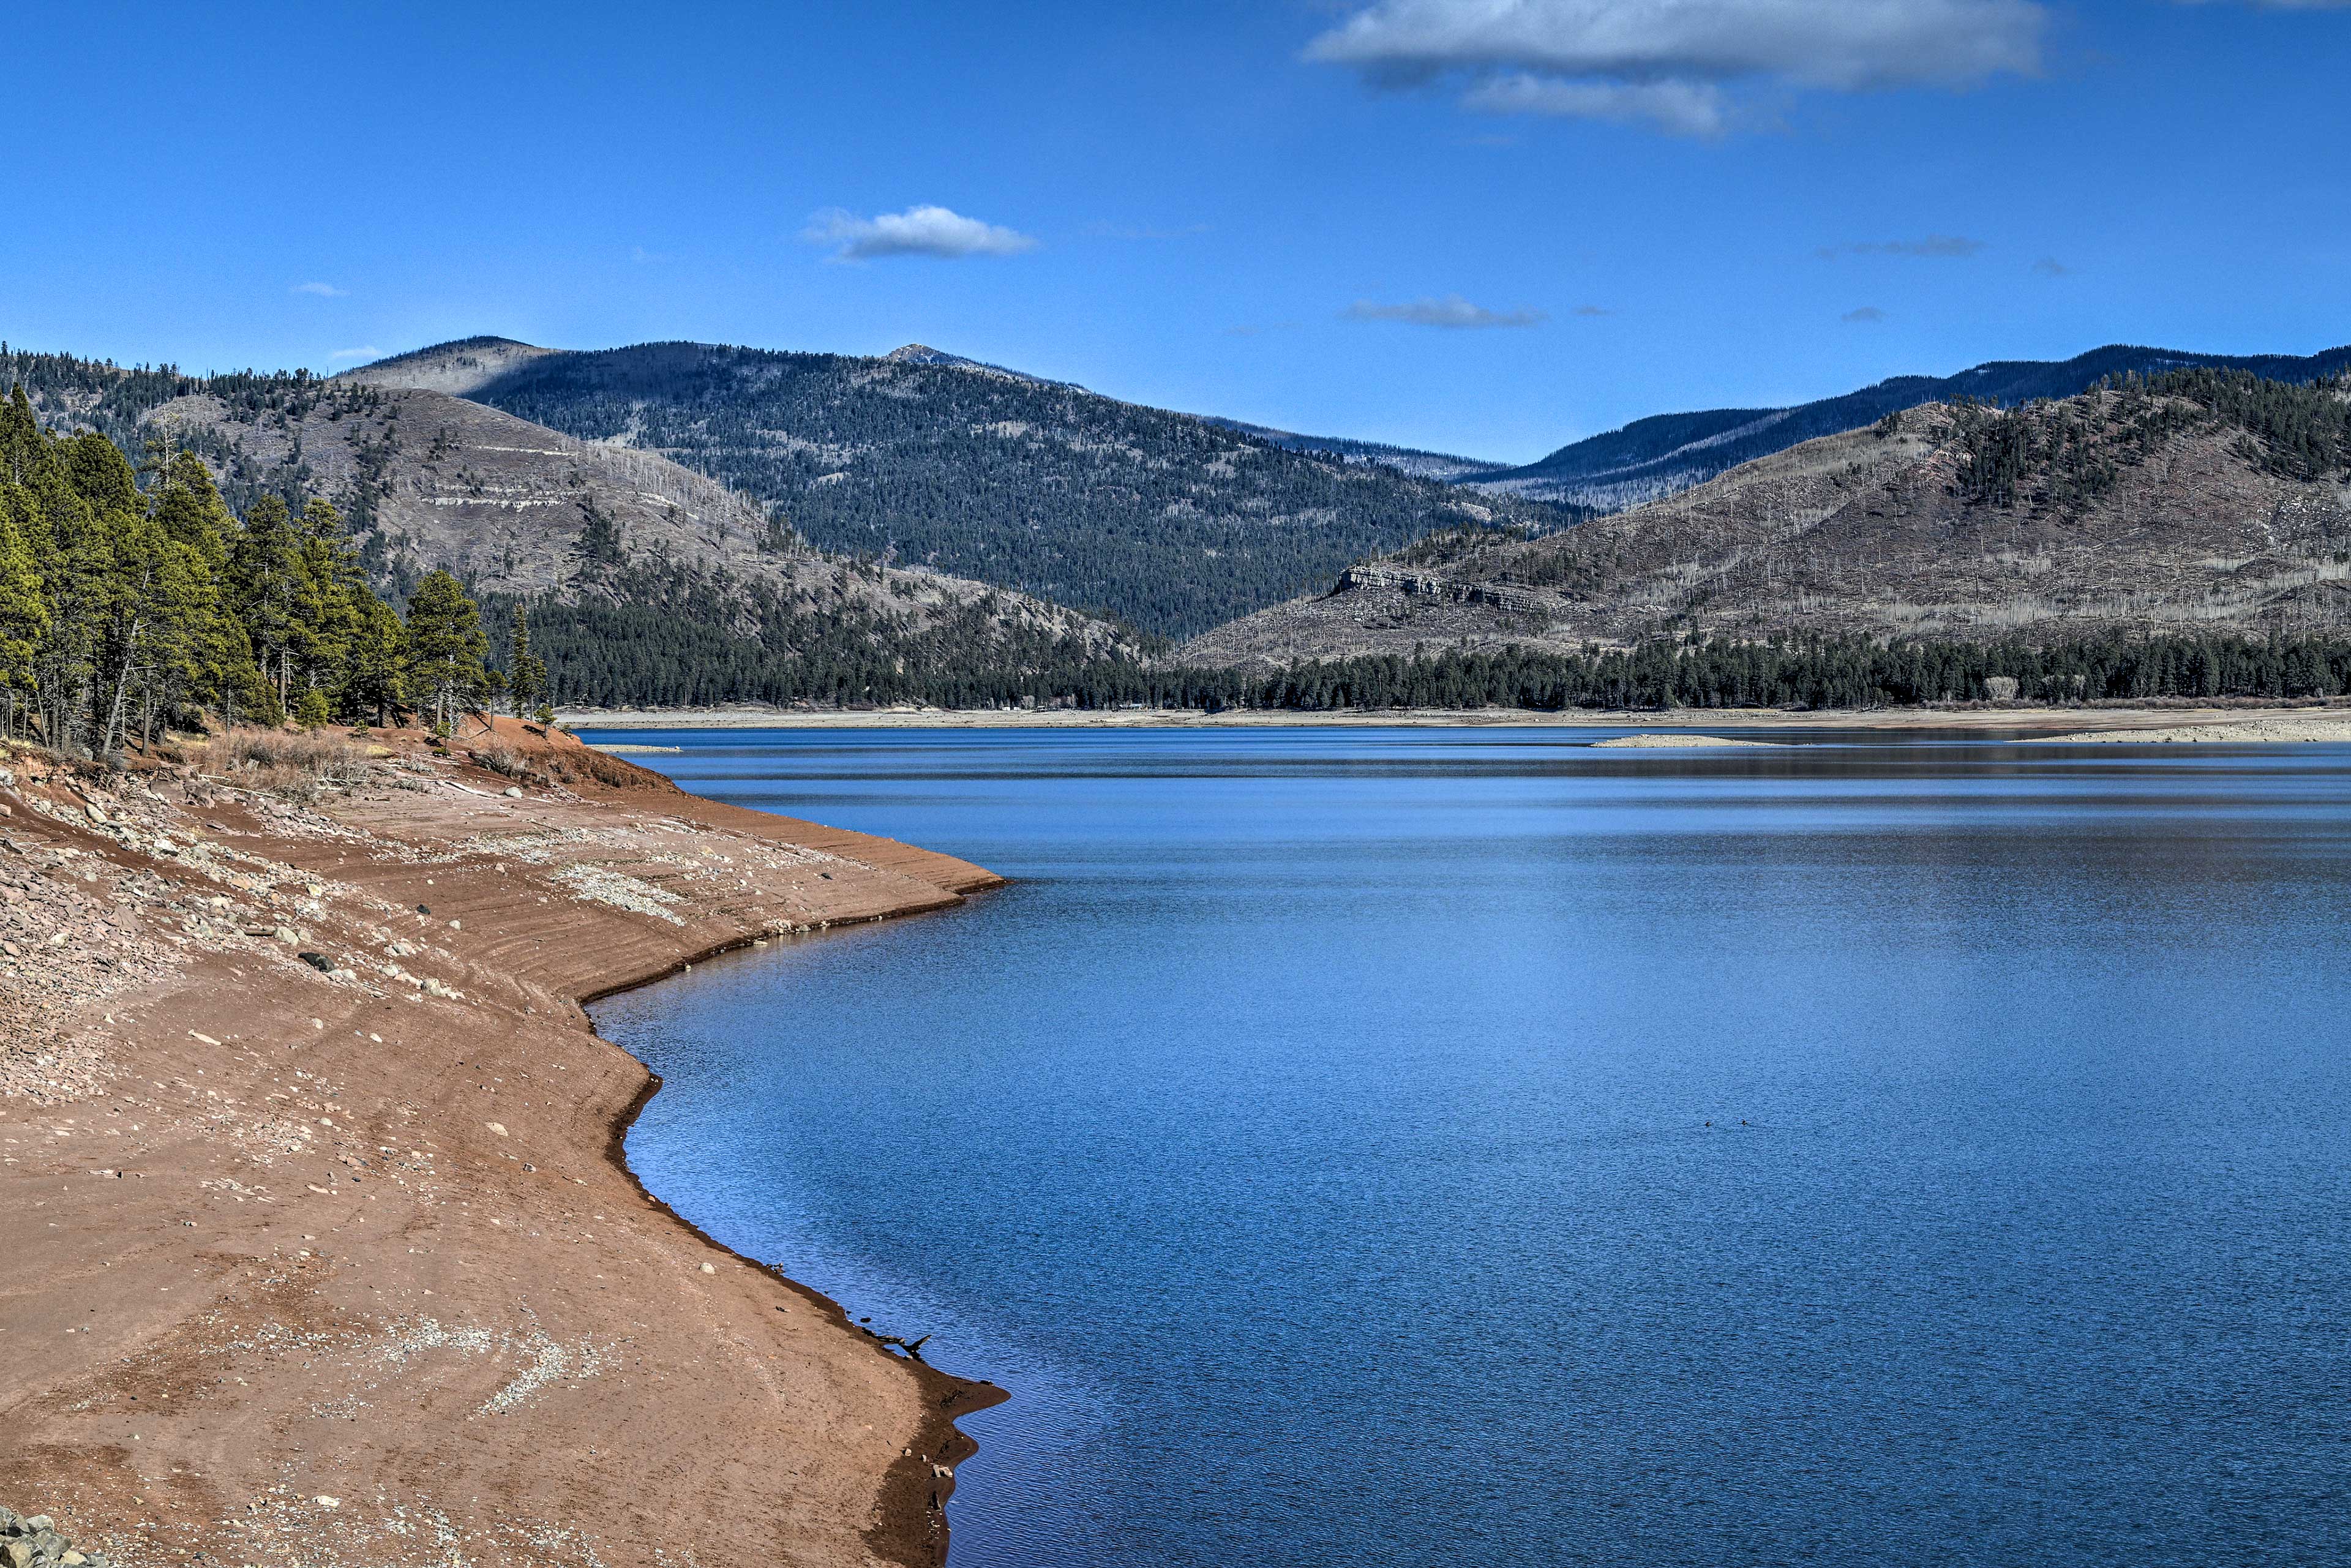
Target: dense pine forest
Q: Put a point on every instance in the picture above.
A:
(606, 658)
(129, 608)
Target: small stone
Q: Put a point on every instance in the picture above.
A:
(423, 909)
(457, 925)
(328, 1501)
(318, 961)
(18, 1554)
(709, 1268)
(498, 1127)
(286, 934)
(513, 793)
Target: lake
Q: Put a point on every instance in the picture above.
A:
(1418, 1147)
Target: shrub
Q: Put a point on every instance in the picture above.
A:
(503, 761)
(297, 764)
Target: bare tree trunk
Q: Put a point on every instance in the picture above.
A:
(106, 740)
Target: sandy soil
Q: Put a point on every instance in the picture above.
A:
(316, 1246)
(2236, 732)
(1979, 716)
(1686, 741)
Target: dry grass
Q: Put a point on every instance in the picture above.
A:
(503, 761)
(296, 765)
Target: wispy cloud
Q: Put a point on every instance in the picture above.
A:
(644, 257)
(1591, 311)
(918, 231)
(1939, 247)
(1867, 313)
(1258, 329)
(1452, 311)
(369, 352)
(1680, 65)
(323, 290)
(2050, 266)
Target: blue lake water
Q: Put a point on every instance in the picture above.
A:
(1429, 1147)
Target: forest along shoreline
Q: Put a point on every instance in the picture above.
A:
(2022, 718)
(322, 1242)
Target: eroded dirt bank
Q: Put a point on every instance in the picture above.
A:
(318, 1247)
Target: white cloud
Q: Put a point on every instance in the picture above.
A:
(369, 352)
(917, 231)
(323, 290)
(1686, 109)
(1452, 311)
(1671, 64)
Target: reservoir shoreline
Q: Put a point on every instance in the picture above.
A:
(314, 1180)
(1976, 716)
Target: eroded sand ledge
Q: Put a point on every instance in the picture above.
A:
(308, 1267)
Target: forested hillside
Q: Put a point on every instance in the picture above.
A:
(1169, 522)
(645, 583)
(1659, 456)
(2197, 499)
(126, 611)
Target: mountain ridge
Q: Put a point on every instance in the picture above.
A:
(622, 556)
(2205, 500)
(1167, 521)
(1662, 453)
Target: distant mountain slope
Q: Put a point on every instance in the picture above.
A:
(653, 556)
(2199, 500)
(459, 369)
(1405, 459)
(1171, 522)
(1659, 456)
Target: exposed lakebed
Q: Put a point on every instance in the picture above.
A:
(1427, 1147)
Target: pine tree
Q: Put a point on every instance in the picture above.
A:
(446, 649)
(526, 671)
(24, 610)
(373, 689)
(268, 581)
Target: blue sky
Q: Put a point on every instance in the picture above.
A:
(1478, 225)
